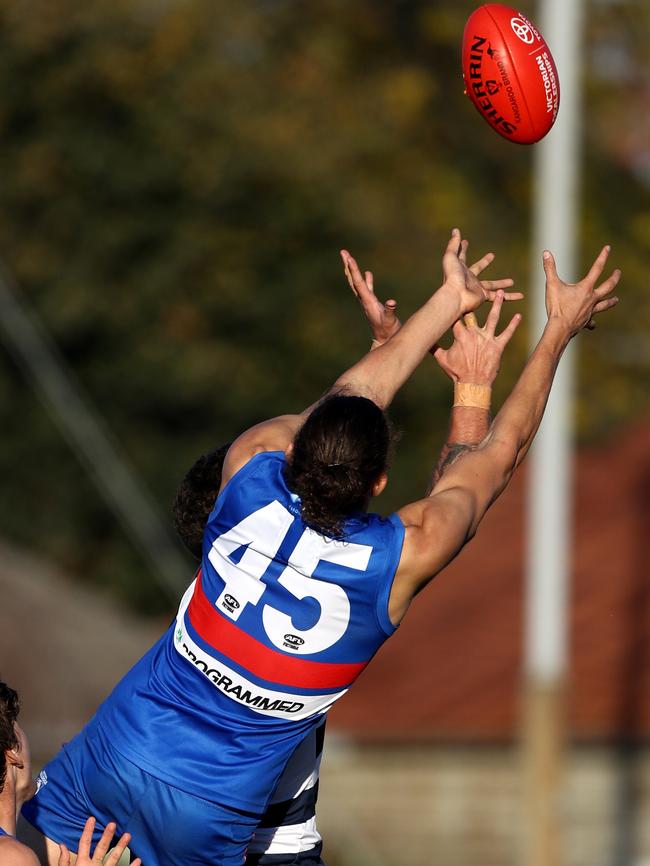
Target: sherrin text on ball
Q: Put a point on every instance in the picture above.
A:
(509, 73)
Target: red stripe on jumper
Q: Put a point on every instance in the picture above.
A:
(261, 661)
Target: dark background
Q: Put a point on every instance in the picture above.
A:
(177, 180)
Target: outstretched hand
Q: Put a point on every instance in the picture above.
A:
(475, 355)
(575, 304)
(381, 317)
(473, 292)
(84, 857)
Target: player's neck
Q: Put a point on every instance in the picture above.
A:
(8, 820)
(8, 807)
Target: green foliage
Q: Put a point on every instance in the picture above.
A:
(177, 180)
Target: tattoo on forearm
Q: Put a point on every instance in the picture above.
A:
(448, 456)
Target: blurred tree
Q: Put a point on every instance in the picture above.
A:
(178, 179)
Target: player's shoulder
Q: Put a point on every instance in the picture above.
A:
(254, 463)
(388, 528)
(14, 853)
(436, 528)
(433, 514)
(271, 436)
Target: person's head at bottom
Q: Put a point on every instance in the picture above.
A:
(196, 496)
(17, 786)
(16, 783)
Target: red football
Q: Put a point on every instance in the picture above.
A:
(509, 73)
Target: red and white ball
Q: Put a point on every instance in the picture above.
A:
(509, 73)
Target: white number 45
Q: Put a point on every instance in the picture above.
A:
(262, 533)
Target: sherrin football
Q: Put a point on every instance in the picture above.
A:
(509, 73)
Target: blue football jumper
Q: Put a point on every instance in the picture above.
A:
(277, 625)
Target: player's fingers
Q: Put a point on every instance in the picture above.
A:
(105, 842)
(64, 855)
(352, 272)
(86, 838)
(441, 357)
(458, 329)
(462, 255)
(479, 266)
(453, 244)
(370, 281)
(358, 283)
(506, 335)
(605, 288)
(471, 321)
(390, 308)
(599, 264)
(493, 285)
(118, 850)
(513, 296)
(607, 304)
(549, 265)
(346, 270)
(493, 316)
(136, 862)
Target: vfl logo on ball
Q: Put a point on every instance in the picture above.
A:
(521, 29)
(230, 603)
(292, 641)
(492, 87)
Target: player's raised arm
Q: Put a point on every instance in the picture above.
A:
(381, 316)
(437, 527)
(472, 363)
(381, 373)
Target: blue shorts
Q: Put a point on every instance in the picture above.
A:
(168, 826)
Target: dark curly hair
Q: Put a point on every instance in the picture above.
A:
(338, 454)
(9, 709)
(196, 497)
